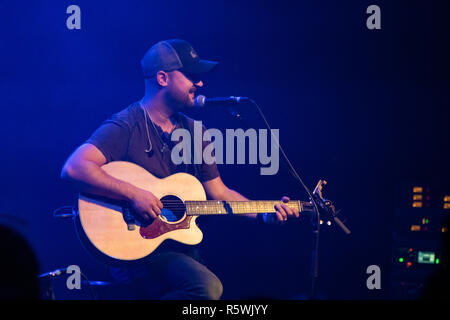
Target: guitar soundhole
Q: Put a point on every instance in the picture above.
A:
(174, 208)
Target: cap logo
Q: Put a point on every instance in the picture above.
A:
(194, 54)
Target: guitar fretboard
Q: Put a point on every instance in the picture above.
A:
(240, 207)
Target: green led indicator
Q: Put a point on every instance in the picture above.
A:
(437, 261)
(426, 221)
(401, 260)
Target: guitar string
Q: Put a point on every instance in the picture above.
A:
(183, 205)
(211, 202)
(176, 205)
(222, 203)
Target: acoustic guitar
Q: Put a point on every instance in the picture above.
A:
(111, 227)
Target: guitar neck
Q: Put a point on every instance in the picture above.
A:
(240, 207)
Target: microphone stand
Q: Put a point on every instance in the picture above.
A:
(315, 218)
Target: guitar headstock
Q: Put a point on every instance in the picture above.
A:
(326, 207)
(318, 196)
(327, 211)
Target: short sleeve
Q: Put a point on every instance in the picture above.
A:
(208, 171)
(112, 138)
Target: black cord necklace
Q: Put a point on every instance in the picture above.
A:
(150, 148)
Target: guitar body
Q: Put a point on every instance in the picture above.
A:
(103, 222)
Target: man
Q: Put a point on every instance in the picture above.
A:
(141, 134)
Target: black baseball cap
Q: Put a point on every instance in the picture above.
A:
(175, 54)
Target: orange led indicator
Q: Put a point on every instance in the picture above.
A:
(417, 197)
(417, 189)
(417, 204)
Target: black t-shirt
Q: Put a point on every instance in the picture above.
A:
(123, 137)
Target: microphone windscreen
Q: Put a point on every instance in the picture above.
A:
(200, 101)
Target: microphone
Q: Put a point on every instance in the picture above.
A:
(202, 101)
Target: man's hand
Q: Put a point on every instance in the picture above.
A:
(284, 211)
(146, 204)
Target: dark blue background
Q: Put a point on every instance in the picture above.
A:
(363, 109)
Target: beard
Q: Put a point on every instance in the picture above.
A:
(178, 100)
